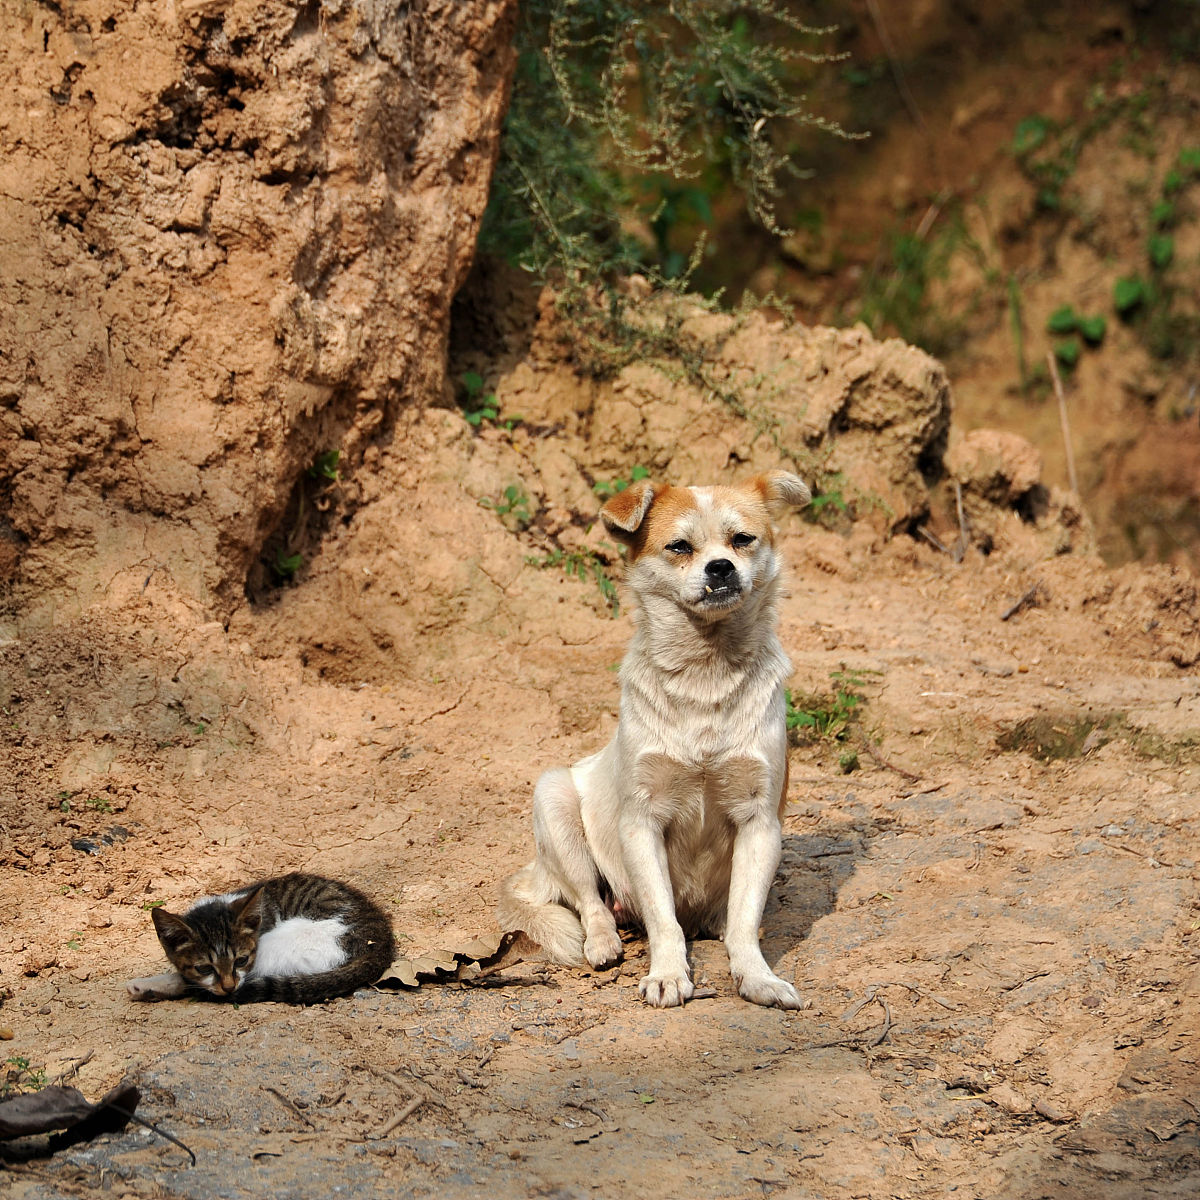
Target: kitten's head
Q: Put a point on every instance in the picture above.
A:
(213, 947)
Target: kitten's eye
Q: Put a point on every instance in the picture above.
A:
(740, 541)
(241, 960)
(681, 547)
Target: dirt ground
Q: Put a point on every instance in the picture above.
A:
(997, 945)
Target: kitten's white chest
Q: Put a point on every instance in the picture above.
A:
(300, 946)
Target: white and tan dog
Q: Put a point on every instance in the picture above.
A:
(676, 822)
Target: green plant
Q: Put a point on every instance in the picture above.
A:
(848, 761)
(897, 294)
(286, 565)
(153, 904)
(829, 716)
(606, 490)
(479, 407)
(613, 98)
(828, 503)
(581, 564)
(514, 502)
(1129, 293)
(1160, 248)
(20, 1077)
(1067, 353)
(325, 466)
(100, 804)
(75, 941)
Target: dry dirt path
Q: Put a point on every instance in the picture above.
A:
(1000, 954)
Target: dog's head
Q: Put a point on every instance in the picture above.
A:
(706, 548)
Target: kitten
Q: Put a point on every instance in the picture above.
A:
(297, 938)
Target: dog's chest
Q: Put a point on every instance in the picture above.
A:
(695, 794)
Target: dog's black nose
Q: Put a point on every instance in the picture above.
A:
(719, 569)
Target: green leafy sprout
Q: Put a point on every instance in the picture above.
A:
(828, 717)
(583, 564)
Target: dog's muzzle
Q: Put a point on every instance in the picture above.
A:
(721, 582)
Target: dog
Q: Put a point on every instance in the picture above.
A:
(675, 824)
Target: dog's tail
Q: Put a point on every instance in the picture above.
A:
(531, 904)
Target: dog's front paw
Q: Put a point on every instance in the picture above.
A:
(603, 948)
(768, 990)
(666, 991)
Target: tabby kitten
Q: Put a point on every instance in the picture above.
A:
(297, 938)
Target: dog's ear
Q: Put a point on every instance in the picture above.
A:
(624, 513)
(780, 491)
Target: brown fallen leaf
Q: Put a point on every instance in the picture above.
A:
(478, 952)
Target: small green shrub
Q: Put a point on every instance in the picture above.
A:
(583, 564)
(1067, 353)
(514, 502)
(1160, 248)
(325, 466)
(828, 717)
(607, 489)
(1129, 294)
(480, 406)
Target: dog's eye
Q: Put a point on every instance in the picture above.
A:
(740, 541)
(680, 547)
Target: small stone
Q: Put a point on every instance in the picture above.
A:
(6, 1034)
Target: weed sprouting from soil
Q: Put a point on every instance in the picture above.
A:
(829, 716)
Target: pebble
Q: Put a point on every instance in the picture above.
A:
(6, 1034)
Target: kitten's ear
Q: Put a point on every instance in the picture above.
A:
(247, 912)
(173, 932)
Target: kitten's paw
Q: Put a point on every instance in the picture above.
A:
(666, 991)
(603, 948)
(155, 987)
(768, 990)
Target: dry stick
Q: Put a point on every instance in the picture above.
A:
(887, 1024)
(1027, 599)
(402, 1116)
(934, 541)
(162, 1133)
(72, 1068)
(883, 762)
(429, 1094)
(288, 1104)
(964, 536)
(1066, 426)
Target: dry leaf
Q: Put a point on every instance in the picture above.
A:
(482, 950)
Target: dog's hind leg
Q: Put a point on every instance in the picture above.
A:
(563, 874)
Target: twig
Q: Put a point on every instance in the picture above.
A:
(402, 1116)
(469, 1080)
(73, 1068)
(162, 1133)
(1028, 599)
(1066, 425)
(288, 1104)
(421, 1088)
(887, 1024)
(933, 540)
(964, 533)
(883, 762)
